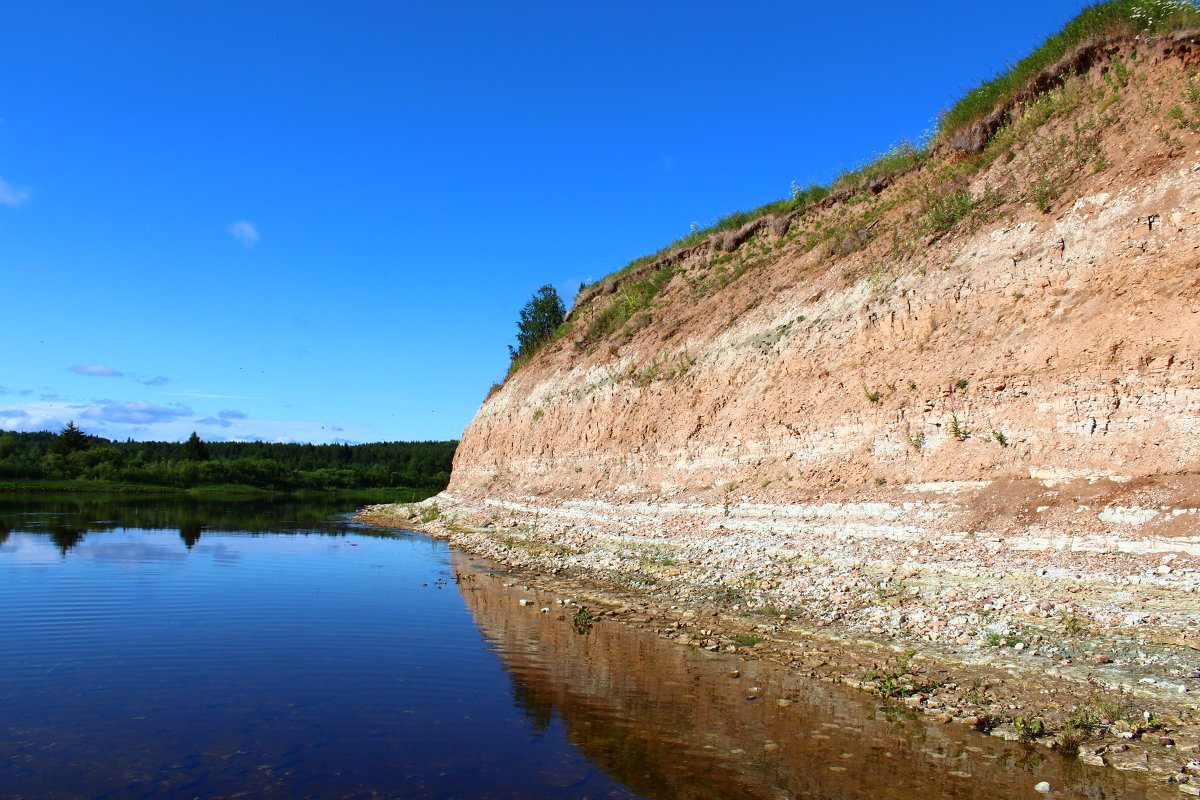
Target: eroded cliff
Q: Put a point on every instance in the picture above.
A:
(1031, 311)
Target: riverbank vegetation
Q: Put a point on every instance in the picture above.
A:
(73, 460)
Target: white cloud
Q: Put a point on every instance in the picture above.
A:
(96, 370)
(12, 195)
(173, 423)
(244, 232)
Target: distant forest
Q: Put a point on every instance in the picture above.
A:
(72, 454)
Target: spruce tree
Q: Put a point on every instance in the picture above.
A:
(194, 449)
(71, 439)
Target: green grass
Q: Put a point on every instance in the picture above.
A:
(1094, 23)
(945, 208)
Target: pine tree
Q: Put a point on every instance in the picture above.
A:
(540, 318)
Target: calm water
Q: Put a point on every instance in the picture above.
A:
(170, 648)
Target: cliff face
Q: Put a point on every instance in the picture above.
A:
(1017, 318)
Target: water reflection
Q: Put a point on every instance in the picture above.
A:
(189, 532)
(68, 518)
(670, 722)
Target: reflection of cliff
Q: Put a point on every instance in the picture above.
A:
(669, 722)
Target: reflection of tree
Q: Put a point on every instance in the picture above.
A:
(4, 532)
(190, 533)
(538, 707)
(65, 538)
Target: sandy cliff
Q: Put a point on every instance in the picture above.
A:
(955, 404)
(1050, 334)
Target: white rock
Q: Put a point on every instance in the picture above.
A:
(1043, 787)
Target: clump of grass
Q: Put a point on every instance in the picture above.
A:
(1094, 23)
(747, 639)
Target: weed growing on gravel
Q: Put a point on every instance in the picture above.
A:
(957, 429)
(1029, 727)
(914, 440)
(899, 681)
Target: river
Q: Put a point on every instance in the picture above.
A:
(159, 647)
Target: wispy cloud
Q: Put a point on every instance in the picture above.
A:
(157, 380)
(13, 195)
(96, 370)
(245, 232)
(194, 393)
(171, 423)
(136, 412)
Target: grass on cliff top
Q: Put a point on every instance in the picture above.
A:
(897, 159)
(1121, 18)
(1096, 22)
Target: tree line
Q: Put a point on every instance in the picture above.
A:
(73, 454)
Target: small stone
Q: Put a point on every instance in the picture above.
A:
(735, 673)
(1044, 787)
(783, 703)
(1166, 741)
(1102, 659)
(526, 602)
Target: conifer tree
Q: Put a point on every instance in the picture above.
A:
(71, 439)
(194, 449)
(540, 318)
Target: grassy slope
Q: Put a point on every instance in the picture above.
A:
(1118, 18)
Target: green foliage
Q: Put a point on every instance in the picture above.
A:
(957, 428)
(899, 681)
(632, 298)
(538, 321)
(1096, 22)
(194, 449)
(914, 440)
(1029, 727)
(263, 465)
(72, 440)
(900, 157)
(430, 512)
(747, 639)
(1000, 437)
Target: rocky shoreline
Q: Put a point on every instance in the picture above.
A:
(1090, 651)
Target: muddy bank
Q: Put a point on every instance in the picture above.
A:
(1088, 652)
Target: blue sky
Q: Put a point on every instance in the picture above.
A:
(318, 221)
